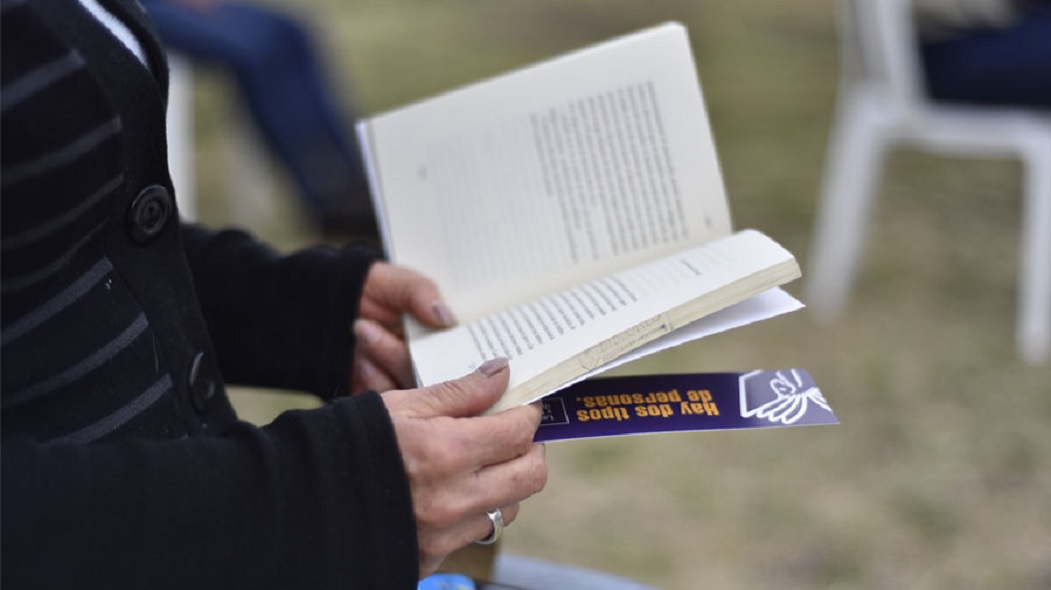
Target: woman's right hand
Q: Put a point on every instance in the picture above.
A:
(461, 464)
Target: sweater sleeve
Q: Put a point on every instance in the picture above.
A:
(277, 320)
(318, 499)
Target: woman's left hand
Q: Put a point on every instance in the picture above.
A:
(381, 357)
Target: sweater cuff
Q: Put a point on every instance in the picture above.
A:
(383, 490)
(342, 301)
(279, 321)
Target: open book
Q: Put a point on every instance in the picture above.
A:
(571, 212)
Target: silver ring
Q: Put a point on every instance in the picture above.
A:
(497, 518)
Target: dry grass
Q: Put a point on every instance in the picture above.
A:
(937, 476)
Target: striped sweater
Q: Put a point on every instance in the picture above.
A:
(123, 462)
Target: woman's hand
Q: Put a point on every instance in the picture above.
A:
(460, 464)
(381, 358)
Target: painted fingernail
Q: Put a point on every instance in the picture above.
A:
(445, 315)
(493, 367)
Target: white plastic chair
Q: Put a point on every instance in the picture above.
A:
(180, 135)
(882, 104)
(245, 171)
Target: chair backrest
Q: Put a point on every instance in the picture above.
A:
(180, 135)
(879, 45)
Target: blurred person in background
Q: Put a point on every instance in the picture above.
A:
(992, 52)
(282, 81)
(123, 462)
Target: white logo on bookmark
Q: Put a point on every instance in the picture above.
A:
(778, 396)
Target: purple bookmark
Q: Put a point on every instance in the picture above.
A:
(616, 406)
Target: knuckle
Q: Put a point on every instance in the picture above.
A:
(537, 481)
(537, 473)
(427, 449)
(530, 418)
(514, 431)
(535, 411)
(445, 456)
(510, 513)
(449, 392)
(462, 387)
(437, 513)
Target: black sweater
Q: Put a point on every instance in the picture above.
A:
(123, 462)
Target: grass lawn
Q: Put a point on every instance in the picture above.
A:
(938, 476)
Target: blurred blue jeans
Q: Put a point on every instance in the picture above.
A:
(1009, 66)
(280, 77)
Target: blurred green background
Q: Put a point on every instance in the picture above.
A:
(938, 476)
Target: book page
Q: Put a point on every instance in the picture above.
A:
(763, 306)
(554, 339)
(563, 171)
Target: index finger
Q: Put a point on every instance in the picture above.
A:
(398, 288)
(495, 438)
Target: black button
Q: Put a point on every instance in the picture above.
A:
(149, 213)
(202, 389)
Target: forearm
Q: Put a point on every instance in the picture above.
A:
(317, 499)
(278, 320)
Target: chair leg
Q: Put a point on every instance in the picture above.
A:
(854, 164)
(1033, 330)
(180, 135)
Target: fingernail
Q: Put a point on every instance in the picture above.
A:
(445, 315)
(493, 367)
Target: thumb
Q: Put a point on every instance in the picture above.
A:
(471, 394)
